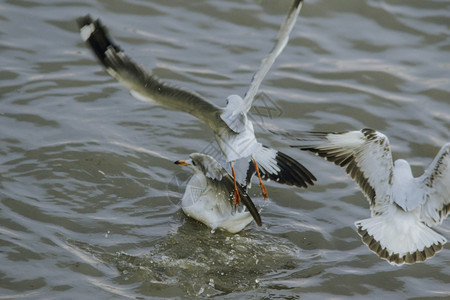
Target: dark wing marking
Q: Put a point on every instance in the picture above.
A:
(281, 168)
(366, 157)
(409, 258)
(436, 183)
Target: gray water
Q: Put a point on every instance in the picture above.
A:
(89, 193)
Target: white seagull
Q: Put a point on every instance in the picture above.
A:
(232, 129)
(209, 196)
(403, 208)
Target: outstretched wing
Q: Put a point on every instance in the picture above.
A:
(267, 62)
(366, 157)
(143, 85)
(280, 167)
(436, 183)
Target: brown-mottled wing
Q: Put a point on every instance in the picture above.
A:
(366, 157)
(436, 183)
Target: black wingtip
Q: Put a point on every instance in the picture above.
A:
(291, 172)
(84, 20)
(300, 175)
(96, 36)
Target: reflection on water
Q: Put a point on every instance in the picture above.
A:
(89, 194)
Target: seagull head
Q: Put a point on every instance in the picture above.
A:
(235, 102)
(402, 168)
(203, 163)
(401, 163)
(186, 163)
(234, 114)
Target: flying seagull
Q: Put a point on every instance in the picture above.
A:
(232, 129)
(403, 208)
(209, 196)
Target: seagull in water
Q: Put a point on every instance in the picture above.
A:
(403, 208)
(209, 196)
(232, 129)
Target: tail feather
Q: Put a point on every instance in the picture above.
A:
(399, 238)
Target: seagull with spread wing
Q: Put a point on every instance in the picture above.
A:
(403, 208)
(208, 197)
(232, 129)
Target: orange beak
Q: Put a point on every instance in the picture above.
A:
(181, 163)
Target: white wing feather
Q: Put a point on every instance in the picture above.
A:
(267, 62)
(436, 183)
(366, 156)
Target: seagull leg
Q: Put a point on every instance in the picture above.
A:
(263, 188)
(237, 198)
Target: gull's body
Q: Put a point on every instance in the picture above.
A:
(403, 207)
(209, 196)
(232, 129)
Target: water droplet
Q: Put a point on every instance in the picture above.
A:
(201, 291)
(240, 248)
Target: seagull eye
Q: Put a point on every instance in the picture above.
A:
(193, 163)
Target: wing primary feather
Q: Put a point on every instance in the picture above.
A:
(143, 84)
(286, 170)
(267, 62)
(436, 183)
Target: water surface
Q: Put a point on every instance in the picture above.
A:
(89, 194)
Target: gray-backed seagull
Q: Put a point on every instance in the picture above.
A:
(232, 129)
(403, 208)
(208, 197)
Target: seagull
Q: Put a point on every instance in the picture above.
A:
(209, 196)
(232, 129)
(403, 208)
